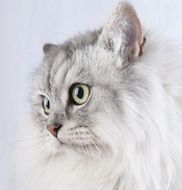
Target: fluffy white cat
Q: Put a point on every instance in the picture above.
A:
(106, 113)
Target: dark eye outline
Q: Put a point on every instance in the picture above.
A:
(72, 100)
(44, 106)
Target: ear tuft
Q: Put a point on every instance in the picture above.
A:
(48, 48)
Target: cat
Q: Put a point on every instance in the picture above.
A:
(106, 112)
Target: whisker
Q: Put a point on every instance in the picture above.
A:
(101, 144)
(94, 144)
(20, 142)
(86, 148)
(37, 144)
(32, 138)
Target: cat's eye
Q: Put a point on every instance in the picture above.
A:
(46, 105)
(79, 93)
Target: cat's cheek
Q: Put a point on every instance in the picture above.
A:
(105, 130)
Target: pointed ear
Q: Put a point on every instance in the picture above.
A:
(49, 51)
(123, 33)
(47, 48)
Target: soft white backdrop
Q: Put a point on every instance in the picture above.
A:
(26, 25)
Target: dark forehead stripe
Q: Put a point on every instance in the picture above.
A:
(54, 69)
(64, 69)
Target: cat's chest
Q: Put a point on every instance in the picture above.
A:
(70, 175)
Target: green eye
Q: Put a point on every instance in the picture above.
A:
(46, 105)
(79, 93)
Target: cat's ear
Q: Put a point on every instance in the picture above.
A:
(123, 34)
(48, 48)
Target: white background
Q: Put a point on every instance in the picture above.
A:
(25, 25)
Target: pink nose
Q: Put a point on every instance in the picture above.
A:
(53, 129)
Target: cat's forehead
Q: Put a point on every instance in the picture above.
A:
(79, 60)
(74, 70)
(68, 61)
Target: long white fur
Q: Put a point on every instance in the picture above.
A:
(134, 164)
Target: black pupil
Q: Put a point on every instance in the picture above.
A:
(80, 93)
(46, 103)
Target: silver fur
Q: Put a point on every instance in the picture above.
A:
(127, 136)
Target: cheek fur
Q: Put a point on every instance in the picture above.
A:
(107, 127)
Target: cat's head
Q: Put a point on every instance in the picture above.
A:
(85, 88)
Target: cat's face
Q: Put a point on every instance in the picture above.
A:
(80, 96)
(79, 93)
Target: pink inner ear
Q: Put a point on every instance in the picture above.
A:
(124, 26)
(142, 46)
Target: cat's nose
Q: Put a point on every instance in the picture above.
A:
(53, 129)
